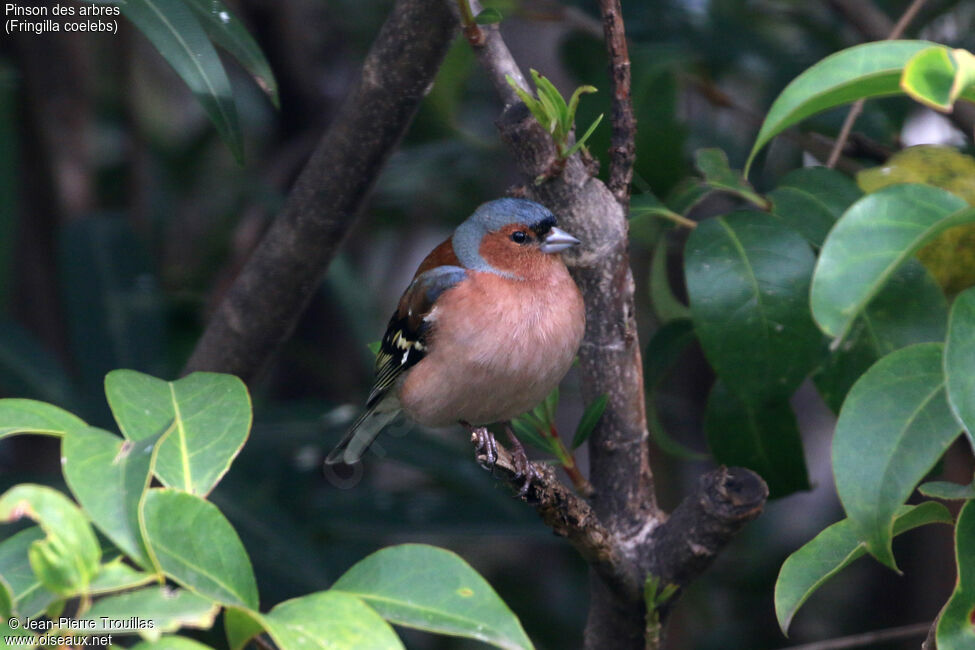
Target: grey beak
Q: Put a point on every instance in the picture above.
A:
(557, 240)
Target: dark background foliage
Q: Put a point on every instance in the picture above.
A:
(123, 218)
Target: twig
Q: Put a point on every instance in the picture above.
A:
(571, 517)
(622, 151)
(866, 638)
(265, 301)
(857, 107)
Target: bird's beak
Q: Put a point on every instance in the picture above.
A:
(557, 240)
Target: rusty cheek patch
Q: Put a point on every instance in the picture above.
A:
(502, 253)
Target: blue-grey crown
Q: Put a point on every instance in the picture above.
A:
(492, 216)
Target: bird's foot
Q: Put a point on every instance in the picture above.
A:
(524, 468)
(485, 446)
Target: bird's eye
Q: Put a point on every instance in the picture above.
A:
(519, 236)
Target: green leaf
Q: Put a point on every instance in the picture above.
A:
(488, 16)
(535, 106)
(959, 362)
(833, 550)
(241, 625)
(666, 347)
(665, 304)
(713, 165)
(664, 440)
(195, 545)
(551, 405)
(748, 281)
(171, 643)
(555, 106)
(435, 590)
(811, 199)
(590, 417)
(686, 195)
(151, 612)
(31, 416)
(329, 619)
(6, 599)
(175, 31)
(874, 237)
(956, 630)
(763, 437)
(30, 598)
(227, 31)
(112, 502)
(859, 72)
(212, 416)
(910, 308)
(116, 576)
(947, 491)
(928, 78)
(581, 142)
(528, 433)
(68, 557)
(647, 204)
(894, 426)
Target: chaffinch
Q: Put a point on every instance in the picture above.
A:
(487, 328)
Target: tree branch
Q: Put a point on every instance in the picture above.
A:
(622, 151)
(617, 535)
(261, 308)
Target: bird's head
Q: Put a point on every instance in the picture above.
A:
(512, 237)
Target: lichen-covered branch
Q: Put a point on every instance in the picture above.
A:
(261, 308)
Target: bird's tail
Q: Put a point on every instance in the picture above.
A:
(362, 433)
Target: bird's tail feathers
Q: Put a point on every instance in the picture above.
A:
(362, 433)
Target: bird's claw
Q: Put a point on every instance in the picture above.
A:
(485, 447)
(524, 469)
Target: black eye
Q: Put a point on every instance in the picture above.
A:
(519, 236)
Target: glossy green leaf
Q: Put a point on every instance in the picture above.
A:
(860, 72)
(194, 544)
(435, 590)
(31, 416)
(956, 626)
(762, 437)
(878, 234)
(894, 426)
(713, 165)
(30, 597)
(151, 612)
(748, 283)
(812, 199)
(589, 420)
(959, 361)
(68, 557)
(665, 304)
(648, 205)
(176, 32)
(241, 625)
(947, 491)
(227, 31)
(116, 576)
(171, 643)
(910, 308)
(831, 551)
(112, 502)
(212, 415)
(329, 619)
(928, 78)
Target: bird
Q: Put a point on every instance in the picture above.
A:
(489, 325)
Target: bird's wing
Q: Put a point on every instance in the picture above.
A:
(405, 341)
